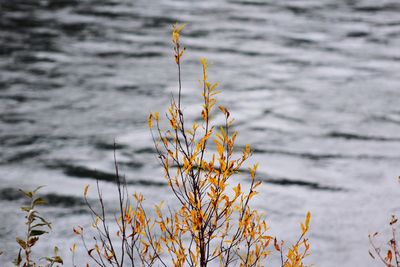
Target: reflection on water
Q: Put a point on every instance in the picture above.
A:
(313, 86)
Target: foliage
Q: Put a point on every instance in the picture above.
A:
(213, 222)
(391, 256)
(36, 226)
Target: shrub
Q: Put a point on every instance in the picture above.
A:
(36, 226)
(390, 257)
(213, 222)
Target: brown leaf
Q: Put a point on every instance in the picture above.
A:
(276, 245)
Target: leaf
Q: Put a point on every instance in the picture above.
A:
(78, 230)
(43, 220)
(303, 228)
(73, 248)
(213, 88)
(85, 191)
(28, 194)
(39, 225)
(181, 53)
(18, 260)
(26, 208)
(220, 148)
(150, 121)
(39, 201)
(37, 232)
(308, 216)
(32, 241)
(257, 184)
(252, 194)
(58, 259)
(204, 115)
(237, 190)
(389, 256)
(38, 188)
(203, 62)
(276, 245)
(50, 260)
(21, 242)
(180, 28)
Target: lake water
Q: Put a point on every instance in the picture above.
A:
(313, 85)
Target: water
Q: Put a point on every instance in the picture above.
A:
(313, 86)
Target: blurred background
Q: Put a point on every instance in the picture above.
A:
(313, 85)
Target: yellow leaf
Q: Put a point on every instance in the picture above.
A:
(180, 28)
(308, 219)
(237, 190)
(109, 256)
(220, 148)
(172, 122)
(252, 194)
(175, 37)
(162, 227)
(203, 62)
(73, 248)
(213, 88)
(78, 230)
(85, 191)
(303, 228)
(150, 120)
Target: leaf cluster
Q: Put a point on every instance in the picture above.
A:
(36, 226)
(213, 221)
(390, 257)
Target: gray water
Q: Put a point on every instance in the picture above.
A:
(313, 85)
